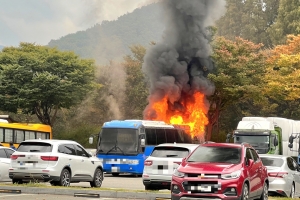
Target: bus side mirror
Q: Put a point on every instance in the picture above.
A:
(142, 142)
(291, 141)
(275, 142)
(228, 136)
(91, 140)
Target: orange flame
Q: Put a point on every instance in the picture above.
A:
(192, 114)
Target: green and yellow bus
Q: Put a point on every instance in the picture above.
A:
(17, 132)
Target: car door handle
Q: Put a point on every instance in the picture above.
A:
(70, 159)
(82, 160)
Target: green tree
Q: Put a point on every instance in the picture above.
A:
(136, 86)
(287, 21)
(237, 78)
(249, 20)
(40, 80)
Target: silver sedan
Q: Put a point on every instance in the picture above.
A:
(284, 175)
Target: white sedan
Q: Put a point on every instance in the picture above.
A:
(5, 154)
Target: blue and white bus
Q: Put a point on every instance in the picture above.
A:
(123, 145)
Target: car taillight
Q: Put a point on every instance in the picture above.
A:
(277, 174)
(148, 163)
(15, 157)
(49, 158)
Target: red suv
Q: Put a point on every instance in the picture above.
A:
(221, 171)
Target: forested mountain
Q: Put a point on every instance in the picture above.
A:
(110, 40)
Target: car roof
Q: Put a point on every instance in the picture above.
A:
(3, 147)
(215, 144)
(51, 141)
(177, 145)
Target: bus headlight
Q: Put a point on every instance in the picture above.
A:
(133, 162)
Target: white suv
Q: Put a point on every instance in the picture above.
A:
(60, 162)
(162, 162)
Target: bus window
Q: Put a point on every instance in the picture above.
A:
(171, 135)
(150, 136)
(8, 135)
(18, 136)
(29, 135)
(41, 135)
(1, 135)
(161, 136)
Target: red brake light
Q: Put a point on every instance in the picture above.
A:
(49, 158)
(15, 157)
(277, 174)
(148, 163)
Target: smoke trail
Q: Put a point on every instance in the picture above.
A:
(178, 65)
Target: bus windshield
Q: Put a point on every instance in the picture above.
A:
(118, 141)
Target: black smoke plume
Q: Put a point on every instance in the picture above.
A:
(178, 65)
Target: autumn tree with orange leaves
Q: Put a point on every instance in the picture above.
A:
(283, 73)
(238, 76)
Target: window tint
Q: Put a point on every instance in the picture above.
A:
(1, 135)
(69, 149)
(216, 155)
(254, 155)
(19, 136)
(35, 147)
(274, 162)
(174, 152)
(8, 135)
(29, 135)
(150, 136)
(9, 152)
(171, 135)
(80, 151)
(291, 164)
(2, 154)
(248, 154)
(161, 136)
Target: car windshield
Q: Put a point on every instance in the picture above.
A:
(216, 154)
(174, 152)
(35, 147)
(274, 162)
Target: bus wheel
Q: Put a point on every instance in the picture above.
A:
(115, 174)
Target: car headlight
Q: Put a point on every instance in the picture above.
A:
(133, 162)
(178, 173)
(232, 175)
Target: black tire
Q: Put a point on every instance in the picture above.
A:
(149, 187)
(54, 183)
(98, 178)
(245, 192)
(17, 181)
(264, 194)
(292, 194)
(65, 178)
(115, 174)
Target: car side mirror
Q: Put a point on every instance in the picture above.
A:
(91, 140)
(142, 142)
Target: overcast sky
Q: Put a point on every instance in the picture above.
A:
(39, 21)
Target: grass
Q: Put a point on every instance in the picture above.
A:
(42, 185)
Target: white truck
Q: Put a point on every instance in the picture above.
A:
(269, 135)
